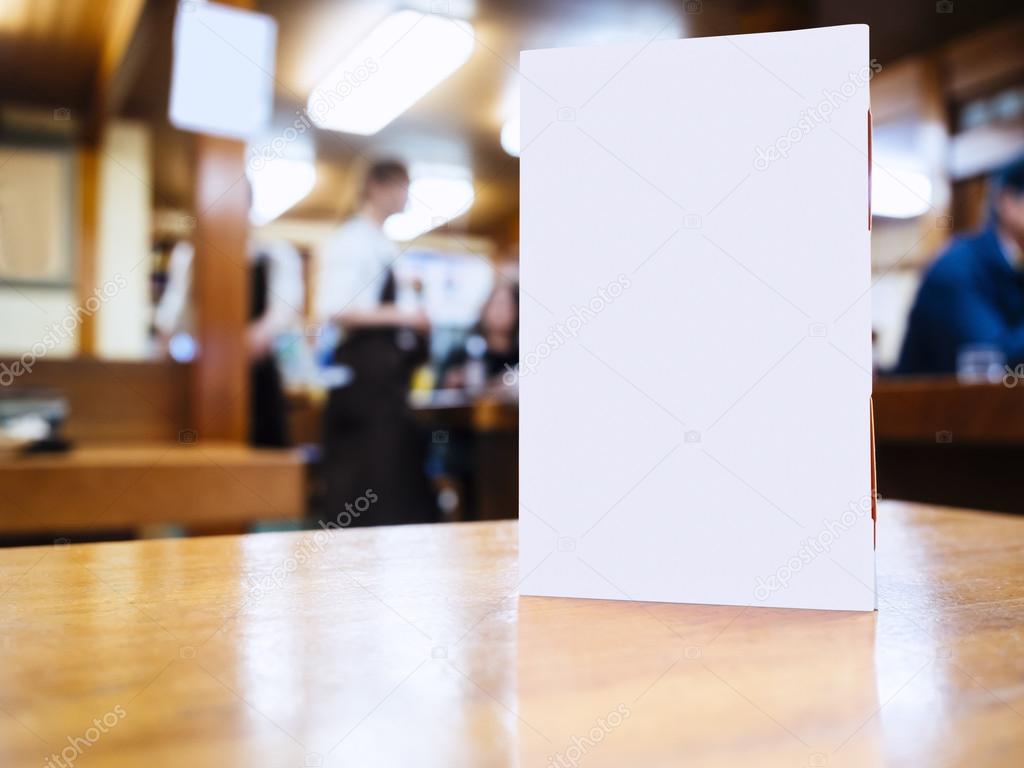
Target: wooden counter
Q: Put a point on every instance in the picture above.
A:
(486, 426)
(927, 408)
(939, 441)
(129, 485)
(484, 413)
(409, 646)
(489, 425)
(450, 408)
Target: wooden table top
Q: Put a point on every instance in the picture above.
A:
(409, 646)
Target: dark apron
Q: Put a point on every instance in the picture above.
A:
(371, 440)
(267, 407)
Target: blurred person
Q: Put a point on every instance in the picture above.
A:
(492, 347)
(275, 298)
(173, 312)
(972, 296)
(371, 441)
(490, 351)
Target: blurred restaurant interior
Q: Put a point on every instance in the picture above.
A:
(169, 283)
(260, 282)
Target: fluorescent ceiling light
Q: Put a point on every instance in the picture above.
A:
(277, 185)
(437, 194)
(401, 60)
(899, 193)
(222, 79)
(510, 136)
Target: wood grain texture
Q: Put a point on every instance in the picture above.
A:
(115, 401)
(126, 486)
(51, 51)
(409, 646)
(88, 238)
(940, 441)
(220, 287)
(927, 409)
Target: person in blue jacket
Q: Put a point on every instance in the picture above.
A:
(973, 294)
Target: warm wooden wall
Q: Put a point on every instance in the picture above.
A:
(110, 401)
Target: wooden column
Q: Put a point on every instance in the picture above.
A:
(220, 284)
(88, 226)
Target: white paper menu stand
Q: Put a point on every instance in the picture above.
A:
(695, 372)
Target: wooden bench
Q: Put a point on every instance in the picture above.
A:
(216, 486)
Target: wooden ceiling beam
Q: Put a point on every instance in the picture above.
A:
(128, 25)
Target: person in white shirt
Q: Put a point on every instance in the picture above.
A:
(371, 441)
(284, 300)
(276, 298)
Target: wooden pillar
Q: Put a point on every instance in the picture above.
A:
(220, 284)
(88, 226)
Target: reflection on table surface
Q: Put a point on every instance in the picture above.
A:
(409, 646)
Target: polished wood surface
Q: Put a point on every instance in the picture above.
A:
(206, 485)
(409, 646)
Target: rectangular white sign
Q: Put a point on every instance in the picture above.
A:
(695, 363)
(222, 74)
